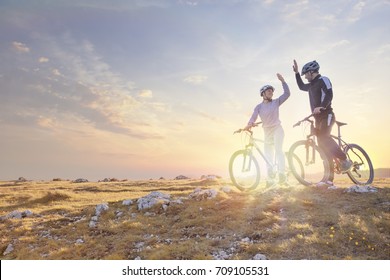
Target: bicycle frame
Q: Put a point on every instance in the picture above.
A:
(252, 144)
(342, 144)
(311, 139)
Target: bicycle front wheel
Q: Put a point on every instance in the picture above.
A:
(244, 170)
(308, 163)
(362, 171)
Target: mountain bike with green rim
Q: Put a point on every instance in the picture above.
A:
(244, 168)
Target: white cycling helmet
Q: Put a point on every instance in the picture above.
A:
(264, 88)
(310, 66)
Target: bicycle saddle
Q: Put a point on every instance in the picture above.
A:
(340, 123)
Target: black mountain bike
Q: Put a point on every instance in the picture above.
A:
(316, 167)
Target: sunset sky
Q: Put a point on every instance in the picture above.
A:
(149, 88)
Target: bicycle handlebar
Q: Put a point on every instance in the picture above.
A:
(307, 119)
(249, 130)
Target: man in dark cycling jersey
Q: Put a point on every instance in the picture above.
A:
(320, 97)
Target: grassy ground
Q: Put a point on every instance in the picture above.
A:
(295, 222)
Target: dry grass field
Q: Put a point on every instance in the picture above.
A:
(294, 222)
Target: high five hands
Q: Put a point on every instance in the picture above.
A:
(280, 77)
(295, 66)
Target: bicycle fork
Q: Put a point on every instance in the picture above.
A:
(310, 152)
(247, 163)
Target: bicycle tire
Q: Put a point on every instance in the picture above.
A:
(301, 170)
(312, 172)
(362, 170)
(245, 178)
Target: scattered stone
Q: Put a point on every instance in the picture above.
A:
(8, 250)
(127, 202)
(226, 189)
(362, 189)
(149, 214)
(139, 245)
(118, 214)
(26, 213)
(181, 177)
(22, 179)
(92, 224)
(17, 215)
(200, 194)
(260, 257)
(100, 208)
(80, 180)
(221, 255)
(246, 240)
(94, 219)
(14, 215)
(152, 199)
(79, 241)
(98, 211)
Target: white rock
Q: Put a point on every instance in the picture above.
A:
(226, 189)
(200, 194)
(260, 257)
(27, 213)
(246, 240)
(9, 249)
(100, 208)
(127, 202)
(94, 218)
(362, 189)
(152, 199)
(92, 224)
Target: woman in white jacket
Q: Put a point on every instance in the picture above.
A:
(268, 111)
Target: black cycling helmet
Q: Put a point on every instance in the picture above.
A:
(264, 88)
(310, 66)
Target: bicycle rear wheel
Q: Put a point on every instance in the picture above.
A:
(244, 170)
(362, 171)
(308, 163)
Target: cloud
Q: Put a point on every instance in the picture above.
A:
(145, 93)
(195, 79)
(189, 3)
(20, 47)
(295, 11)
(382, 53)
(209, 117)
(43, 60)
(56, 72)
(78, 84)
(356, 12)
